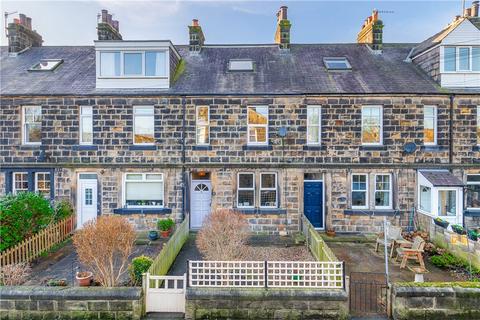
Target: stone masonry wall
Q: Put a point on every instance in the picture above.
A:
(412, 303)
(25, 302)
(260, 303)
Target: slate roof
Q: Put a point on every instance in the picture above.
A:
(442, 179)
(299, 71)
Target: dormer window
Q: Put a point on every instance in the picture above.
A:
(461, 59)
(337, 63)
(240, 65)
(133, 64)
(46, 65)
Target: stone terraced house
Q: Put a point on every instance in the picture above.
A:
(343, 133)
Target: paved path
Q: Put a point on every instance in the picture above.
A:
(188, 252)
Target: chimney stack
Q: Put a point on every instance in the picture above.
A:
(475, 7)
(372, 32)
(108, 29)
(21, 36)
(197, 39)
(282, 34)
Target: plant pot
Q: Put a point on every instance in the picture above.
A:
(472, 235)
(458, 231)
(165, 233)
(442, 224)
(153, 235)
(331, 233)
(84, 278)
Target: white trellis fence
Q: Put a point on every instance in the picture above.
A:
(272, 274)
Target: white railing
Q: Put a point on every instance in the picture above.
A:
(226, 273)
(293, 274)
(271, 274)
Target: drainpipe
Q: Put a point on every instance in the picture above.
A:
(184, 182)
(450, 135)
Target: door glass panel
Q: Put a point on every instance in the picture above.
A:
(83, 176)
(447, 205)
(88, 196)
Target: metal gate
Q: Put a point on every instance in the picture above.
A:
(165, 293)
(368, 294)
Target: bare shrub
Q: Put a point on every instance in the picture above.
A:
(15, 274)
(104, 245)
(223, 236)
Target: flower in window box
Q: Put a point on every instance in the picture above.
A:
(440, 222)
(458, 229)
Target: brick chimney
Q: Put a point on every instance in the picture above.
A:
(108, 29)
(197, 39)
(21, 36)
(372, 32)
(282, 34)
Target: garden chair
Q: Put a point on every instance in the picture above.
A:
(413, 253)
(393, 234)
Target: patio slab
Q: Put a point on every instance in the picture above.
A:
(361, 257)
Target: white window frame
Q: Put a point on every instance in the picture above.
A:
(36, 180)
(420, 199)
(122, 66)
(438, 190)
(314, 107)
(366, 190)
(82, 117)
(24, 125)
(246, 189)
(134, 116)
(197, 108)
(435, 120)
(457, 59)
(380, 143)
(268, 189)
(258, 126)
(144, 180)
(14, 189)
(328, 60)
(475, 184)
(390, 191)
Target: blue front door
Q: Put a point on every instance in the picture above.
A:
(313, 203)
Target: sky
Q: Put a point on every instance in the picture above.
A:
(231, 22)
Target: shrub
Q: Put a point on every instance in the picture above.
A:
(223, 236)
(165, 224)
(139, 266)
(63, 209)
(104, 245)
(21, 216)
(15, 274)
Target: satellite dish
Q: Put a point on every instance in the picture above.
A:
(282, 132)
(409, 147)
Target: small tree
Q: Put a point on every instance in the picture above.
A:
(15, 274)
(104, 245)
(223, 236)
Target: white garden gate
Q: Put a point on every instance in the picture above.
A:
(165, 293)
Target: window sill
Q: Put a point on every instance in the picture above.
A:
(380, 213)
(81, 147)
(373, 148)
(140, 147)
(253, 148)
(202, 148)
(142, 211)
(261, 210)
(433, 148)
(471, 213)
(314, 148)
(29, 146)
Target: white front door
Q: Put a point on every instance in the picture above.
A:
(86, 199)
(201, 200)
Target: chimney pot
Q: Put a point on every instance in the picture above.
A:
(475, 7)
(109, 19)
(29, 23)
(104, 15)
(195, 23)
(23, 19)
(16, 21)
(467, 12)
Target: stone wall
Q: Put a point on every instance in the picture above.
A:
(259, 303)
(70, 303)
(411, 303)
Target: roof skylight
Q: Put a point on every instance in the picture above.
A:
(337, 63)
(46, 65)
(240, 65)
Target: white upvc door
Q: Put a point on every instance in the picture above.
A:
(201, 200)
(86, 201)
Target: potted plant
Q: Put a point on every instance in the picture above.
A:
(440, 222)
(331, 232)
(165, 226)
(458, 229)
(153, 235)
(84, 278)
(473, 235)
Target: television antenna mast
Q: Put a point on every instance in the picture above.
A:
(6, 19)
